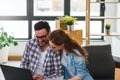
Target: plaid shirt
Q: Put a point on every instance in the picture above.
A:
(52, 66)
(31, 58)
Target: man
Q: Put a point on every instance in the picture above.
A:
(43, 62)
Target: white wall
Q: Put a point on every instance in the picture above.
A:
(118, 21)
(17, 50)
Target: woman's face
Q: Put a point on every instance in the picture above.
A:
(55, 47)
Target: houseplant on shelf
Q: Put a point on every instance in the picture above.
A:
(5, 42)
(69, 21)
(107, 27)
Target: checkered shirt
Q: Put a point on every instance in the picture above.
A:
(52, 67)
(31, 55)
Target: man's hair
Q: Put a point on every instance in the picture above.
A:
(42, 25)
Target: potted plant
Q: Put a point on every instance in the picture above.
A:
(107, 27)
(69, 21)
(5, 42)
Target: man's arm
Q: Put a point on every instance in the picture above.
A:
(52, 66)
(24, 62)
(58, 72)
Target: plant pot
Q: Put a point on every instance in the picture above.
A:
(4, 55)
(70, 27)
(108, 31)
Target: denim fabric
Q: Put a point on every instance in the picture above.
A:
(76, 66)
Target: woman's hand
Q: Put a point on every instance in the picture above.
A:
(75, 78)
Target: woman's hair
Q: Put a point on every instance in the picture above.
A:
(59, 37)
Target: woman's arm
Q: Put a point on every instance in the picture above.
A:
(80, 67)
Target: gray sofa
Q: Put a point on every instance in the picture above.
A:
(101, 63)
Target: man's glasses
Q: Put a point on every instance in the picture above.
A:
(41, 37)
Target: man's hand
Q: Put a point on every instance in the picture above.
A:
(37, 77)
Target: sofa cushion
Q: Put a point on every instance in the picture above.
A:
(101, 63)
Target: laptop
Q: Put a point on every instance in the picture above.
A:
(15, 73)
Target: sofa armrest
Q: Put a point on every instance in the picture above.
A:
(117, 64)
(117, 61)
(117, 73)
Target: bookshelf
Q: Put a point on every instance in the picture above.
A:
(88, 18)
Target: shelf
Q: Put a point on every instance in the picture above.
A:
(104, 34)
(94, 17)
(106, 2)
(90, 17)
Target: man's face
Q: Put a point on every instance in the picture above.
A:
(41, 36)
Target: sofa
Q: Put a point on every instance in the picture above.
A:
(101, 64)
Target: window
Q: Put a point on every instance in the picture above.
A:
(48, 7)
(17, 28)
(20, 20)
(78, 7)
(13, 8)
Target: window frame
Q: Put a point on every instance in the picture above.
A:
(31, 18)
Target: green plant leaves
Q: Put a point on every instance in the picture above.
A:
(6, 40)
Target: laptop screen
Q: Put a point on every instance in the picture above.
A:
(1, 75)
(15, 73)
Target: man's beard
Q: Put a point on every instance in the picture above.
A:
(43, 45)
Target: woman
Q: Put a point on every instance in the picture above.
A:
(74, 57)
